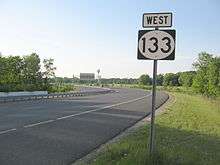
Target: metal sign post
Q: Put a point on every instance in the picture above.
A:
(152, 128)
(156, 45)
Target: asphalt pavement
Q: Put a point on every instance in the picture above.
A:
(60, 131)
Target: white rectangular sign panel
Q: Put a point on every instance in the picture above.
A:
(151, 20)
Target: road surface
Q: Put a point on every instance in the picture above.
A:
(60, 131)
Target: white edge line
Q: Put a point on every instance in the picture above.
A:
(81, 113)
(39, 123)
(9, 130)
(98, 109)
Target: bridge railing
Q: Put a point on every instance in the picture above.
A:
(53, 96)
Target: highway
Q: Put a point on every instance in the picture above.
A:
(60, 131)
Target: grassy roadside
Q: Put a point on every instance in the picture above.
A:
(188, 132)
(181, 89)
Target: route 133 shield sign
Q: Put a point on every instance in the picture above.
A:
(156, 44)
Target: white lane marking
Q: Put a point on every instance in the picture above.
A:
(39, 123)
(117, 115)
(81, 113)
(6, 131)
(98, 109)
(83, 106)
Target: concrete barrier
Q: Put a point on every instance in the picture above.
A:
(52, 96)
(25, 93)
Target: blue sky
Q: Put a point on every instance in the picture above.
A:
(85, 35)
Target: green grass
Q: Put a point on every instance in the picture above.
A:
(180, 89)
(187, 133)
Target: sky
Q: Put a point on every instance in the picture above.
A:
(84, 35)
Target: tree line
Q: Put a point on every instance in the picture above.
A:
(205, 79)
(60, 80)
(170, 79)
(23, 73)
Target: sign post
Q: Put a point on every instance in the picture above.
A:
(152, 129)
(156, 45)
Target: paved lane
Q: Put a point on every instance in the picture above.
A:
(60, 131)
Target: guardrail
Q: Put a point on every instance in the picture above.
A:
(53, 96)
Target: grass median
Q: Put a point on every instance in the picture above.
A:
(188, 132)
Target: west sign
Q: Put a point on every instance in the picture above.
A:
(157, 20)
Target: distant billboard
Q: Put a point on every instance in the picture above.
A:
(87, 76)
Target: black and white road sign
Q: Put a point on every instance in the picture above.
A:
(156, 44)
(157, 20)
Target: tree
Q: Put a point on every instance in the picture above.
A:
(203, 61)
(49, 71)
(200, 82)
(145, 80)
(10, 73)
(31, 72)
(207, 79)
(171, 79)
(186, 78)
(213, 75)
(160, 79)
(49, 68)
(24, 73)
